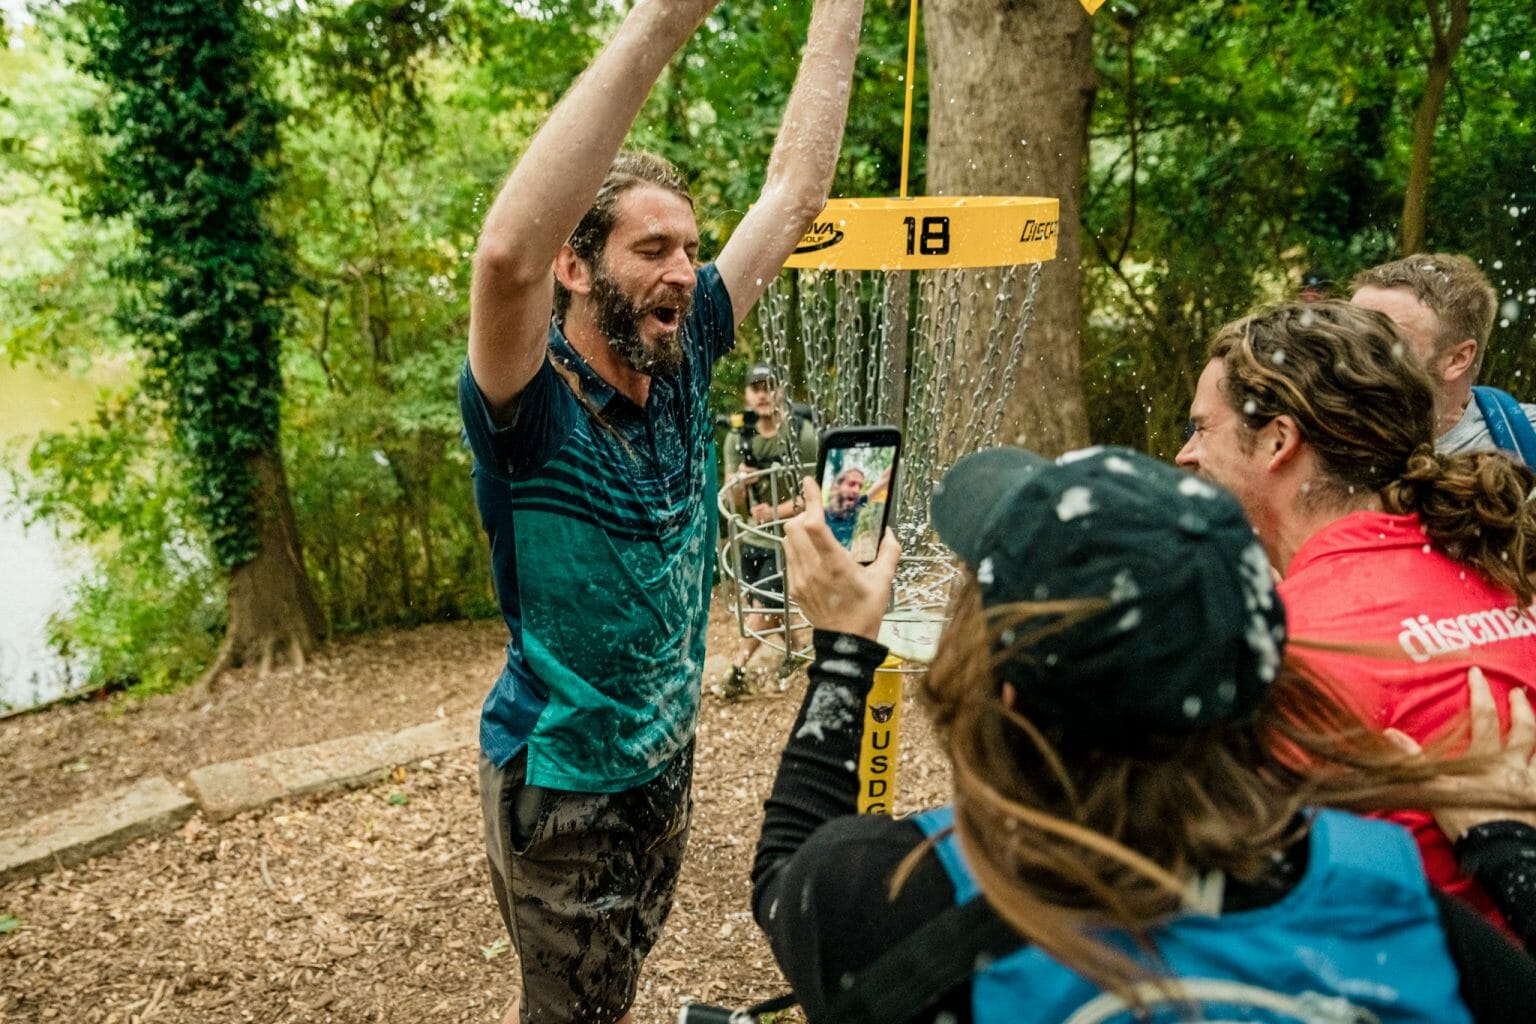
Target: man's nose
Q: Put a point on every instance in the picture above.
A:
(1186, 456)
(679, 271)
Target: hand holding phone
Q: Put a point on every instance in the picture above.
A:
(856, 470)
(832, 590)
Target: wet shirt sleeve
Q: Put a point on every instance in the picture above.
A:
(712, 315)
(1502, 856)
(822, 873)
(542, 418)
(1498, 981)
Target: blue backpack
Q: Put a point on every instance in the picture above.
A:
(1507, 423)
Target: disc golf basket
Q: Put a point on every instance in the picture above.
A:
(908, 311)
(926, 342)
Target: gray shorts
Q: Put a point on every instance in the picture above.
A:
(584, 882)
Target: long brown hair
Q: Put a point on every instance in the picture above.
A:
(1063, 839)
(1348, 380)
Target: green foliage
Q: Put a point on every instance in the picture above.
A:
(192, 167)
(389, 165)
(1237, 146)
(716, 110)
(1484, 202)
(9, 923)
(56, 295)
(151, 611)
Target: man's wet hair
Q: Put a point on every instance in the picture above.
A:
(632, 168)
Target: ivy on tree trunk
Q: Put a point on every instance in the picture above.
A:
(191, 167)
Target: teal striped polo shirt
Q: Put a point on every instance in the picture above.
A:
(601, 524)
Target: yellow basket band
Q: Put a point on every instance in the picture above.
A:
(929, 233)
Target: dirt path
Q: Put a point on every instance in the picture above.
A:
(385, 681)
(369, 906)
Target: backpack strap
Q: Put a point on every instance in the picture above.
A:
(744, 443)
(913, 975)
(1507, 423)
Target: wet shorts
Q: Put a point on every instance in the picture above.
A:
(759, 568)
(584, 882)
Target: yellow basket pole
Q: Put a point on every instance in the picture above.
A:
(882, 740)
(906, 119)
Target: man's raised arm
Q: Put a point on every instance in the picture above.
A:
(551, 188)
(804, 157)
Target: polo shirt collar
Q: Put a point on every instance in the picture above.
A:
(596, 393)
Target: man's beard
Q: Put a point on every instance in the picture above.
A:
(620, 319)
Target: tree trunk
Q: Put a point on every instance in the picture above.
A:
(1011, 84)
(1447, 40)
(273, 614)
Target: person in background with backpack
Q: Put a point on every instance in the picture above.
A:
(1134, 832)
(772, 432)
(1444, 306)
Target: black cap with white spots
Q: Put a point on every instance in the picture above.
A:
(1191, 632)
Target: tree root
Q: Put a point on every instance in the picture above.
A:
(222, 662)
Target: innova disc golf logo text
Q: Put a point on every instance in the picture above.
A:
(822, 235)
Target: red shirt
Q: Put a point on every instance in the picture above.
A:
(1376, 579)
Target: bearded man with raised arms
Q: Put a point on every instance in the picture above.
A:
(593, 333)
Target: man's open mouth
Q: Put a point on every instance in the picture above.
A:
(667, 316)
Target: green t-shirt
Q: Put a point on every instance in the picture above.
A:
(765, 451)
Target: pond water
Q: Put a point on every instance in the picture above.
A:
(36, 570)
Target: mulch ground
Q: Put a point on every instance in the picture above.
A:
(372, 905)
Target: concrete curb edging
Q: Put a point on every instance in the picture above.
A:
(225, 790)
(99, 825)
(153, 806)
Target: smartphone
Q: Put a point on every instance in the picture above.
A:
(856, 467)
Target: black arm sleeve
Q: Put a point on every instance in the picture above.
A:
(1502, 856)
(1498, 981)
(818, 770)
(822, 872)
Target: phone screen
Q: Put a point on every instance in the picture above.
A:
(856, 490)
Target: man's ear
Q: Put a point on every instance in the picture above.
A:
(1456, 361)
(1281, 441)
(573, 272)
